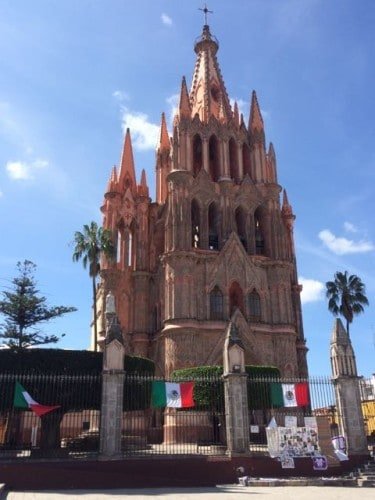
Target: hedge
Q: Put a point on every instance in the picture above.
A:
(209, 387)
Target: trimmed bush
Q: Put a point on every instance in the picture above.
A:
(209, 387)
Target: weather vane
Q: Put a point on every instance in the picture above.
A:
(206, 11)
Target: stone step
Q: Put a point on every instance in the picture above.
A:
(367, 484)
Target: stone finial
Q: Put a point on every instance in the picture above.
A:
(233, 356)
(110, 307)
(339, 334)
(342, 353)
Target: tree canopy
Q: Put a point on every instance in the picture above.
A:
(24, 310)
(346, 296)
(90, 245)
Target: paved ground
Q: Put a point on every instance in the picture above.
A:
(219, 493)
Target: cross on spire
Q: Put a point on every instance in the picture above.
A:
(206, 11)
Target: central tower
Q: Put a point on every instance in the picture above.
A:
(217, 245)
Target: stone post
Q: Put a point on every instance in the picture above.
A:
(348, 398)
(235, 393)
(113, 384)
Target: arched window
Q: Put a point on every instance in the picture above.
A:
(130, 248)
(253, 305)
(197, 154)
(195, 224)
(246, 160)
(213, 227)
(118, 247)
(259, 240)
(214, 159)
(241, 225)
(233, 160)
(235, 298)
(216, 304)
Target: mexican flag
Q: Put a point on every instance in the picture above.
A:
(22, 399)
(172, 394)
(289, 395)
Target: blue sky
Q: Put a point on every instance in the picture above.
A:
(75, 73)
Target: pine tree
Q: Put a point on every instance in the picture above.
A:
(24, 310)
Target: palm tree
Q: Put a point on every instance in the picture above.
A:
(90, 245)
(346, 296)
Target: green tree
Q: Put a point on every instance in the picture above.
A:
(346, 296)
(90, 245)
(24, 310)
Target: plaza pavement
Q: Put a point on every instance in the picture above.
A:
(229, 492)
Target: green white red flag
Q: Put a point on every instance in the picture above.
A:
(290, 395)
(22, 399)
(172, 394)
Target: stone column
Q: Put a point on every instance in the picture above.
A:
(348, 398)
(113, 385)
(235, 393)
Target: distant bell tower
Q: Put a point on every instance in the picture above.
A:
(216, 246)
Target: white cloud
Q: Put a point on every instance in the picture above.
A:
(1, 194)
(243, 106)
(22, 170)
(173, 102)
(343, 246)
(350, 228)
(165, 19)
(120, 95)
(312, 290)
(144, 133)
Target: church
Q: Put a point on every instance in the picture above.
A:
(215, 246)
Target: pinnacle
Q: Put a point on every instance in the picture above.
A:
(184, 106)
(256, 120)
(164, 142)
(236, 117)
(339, 333)
(143, 188)
(127, 161)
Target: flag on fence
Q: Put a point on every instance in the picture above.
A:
(172, 394)
(290, 394)
(22, 399)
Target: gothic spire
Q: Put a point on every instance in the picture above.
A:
(184, 106)
(236, 116)
(286, 208)
(208, 95)
(164, 141)
(255, 120)
(127, 171)
(143, 188)
(112, 182)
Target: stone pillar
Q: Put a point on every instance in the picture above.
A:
(235, 393)
(348, 397)
(113, 384)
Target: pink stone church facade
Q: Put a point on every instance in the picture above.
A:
(216, 245)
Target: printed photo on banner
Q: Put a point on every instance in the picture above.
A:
(298, 441)
(290, 421)
(287, 462)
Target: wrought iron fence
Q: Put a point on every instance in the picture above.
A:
(70, 429)
(291, 403)
(159, 431)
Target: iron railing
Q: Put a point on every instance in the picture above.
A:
(71, 429)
